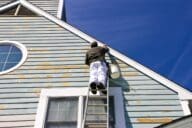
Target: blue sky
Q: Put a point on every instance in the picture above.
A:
(155, 33)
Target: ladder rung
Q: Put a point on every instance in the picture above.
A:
(97, 113)
(98, 105)
(96, 126)
(98, 97)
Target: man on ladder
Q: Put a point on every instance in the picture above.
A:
(95, 58)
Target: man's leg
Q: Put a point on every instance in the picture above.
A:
(93, 80)
(102, 77)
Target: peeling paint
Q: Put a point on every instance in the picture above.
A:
(138, 102)
(154, 120)
(37, 90)
(65, 75)
(66, 84)
(2, 107)
(49, 76)
(22, 76)
(130, 74)
(49, 86)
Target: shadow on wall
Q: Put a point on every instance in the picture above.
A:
(120, 82)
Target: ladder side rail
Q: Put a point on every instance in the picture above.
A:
(108, 102)
(86, 107)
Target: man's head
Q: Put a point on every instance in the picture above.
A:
(94, 44)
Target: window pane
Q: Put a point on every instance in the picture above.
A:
(10, 56)
(8, 65)
(14, 58)
(15, 50)
(1, 66)
(3, 57)
(4, 48)
(62, 112)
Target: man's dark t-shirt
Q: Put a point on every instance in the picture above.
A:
(95, 54)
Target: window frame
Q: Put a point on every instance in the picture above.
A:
(23, 51)
(80, 92)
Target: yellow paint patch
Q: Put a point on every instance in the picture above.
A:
(49, 85)
(66, 84)
(131, 74)
(65, 75)
(2, 107)
(49, 76)
(22, 76)
(37, 91)
(154, 120)
(138, 102)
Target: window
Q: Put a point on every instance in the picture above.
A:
(63, 108)
(12, 55)
(62, 112)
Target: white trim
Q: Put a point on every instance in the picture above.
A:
(185, 106)
(183, 93)
(76, 91)
(80, 113)
(24, 54)
(60, 9)
(9, 5)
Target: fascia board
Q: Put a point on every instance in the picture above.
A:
(184, 94)
(5, 7)
(60, 9)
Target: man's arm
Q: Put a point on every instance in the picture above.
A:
(106, 48)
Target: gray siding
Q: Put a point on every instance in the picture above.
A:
(56, 60)
(184, 122)
(50, 6)
(3, 2)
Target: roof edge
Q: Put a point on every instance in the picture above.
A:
(184, 94)
(9, 5)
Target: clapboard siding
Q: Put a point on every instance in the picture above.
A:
(56, 60)
(184, 122)
(50, 6)
(4, 2)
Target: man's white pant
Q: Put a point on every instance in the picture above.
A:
(98, 72)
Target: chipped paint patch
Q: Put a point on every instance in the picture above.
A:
(66, 84)
(21, 76)
(130, 74)
(49, 76)
(37, 90)
(66, 75)
(2, 107)
(154, 120)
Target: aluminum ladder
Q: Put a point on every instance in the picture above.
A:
(97, 124)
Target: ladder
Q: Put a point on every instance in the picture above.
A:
(103, 122)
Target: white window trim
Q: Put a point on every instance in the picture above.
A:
(80, 92)
(24, 54)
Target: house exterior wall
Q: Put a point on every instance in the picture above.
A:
(184, 122)
(4, 2)
(50, 6)
(56, 60)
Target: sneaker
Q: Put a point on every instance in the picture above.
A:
(93, 88)
(101, 87)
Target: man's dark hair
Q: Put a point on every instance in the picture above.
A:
(94, 44)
